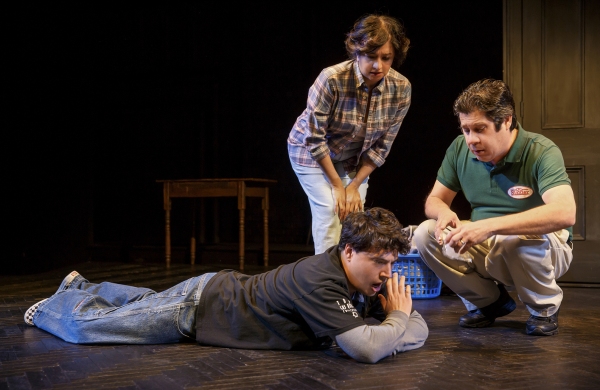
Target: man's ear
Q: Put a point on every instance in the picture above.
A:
(348, 251)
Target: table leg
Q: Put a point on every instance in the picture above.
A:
(202, 221)
(193, 236)
(242, 208)
(216, 238)
(168, 235)
(242, 249)
(265, 206)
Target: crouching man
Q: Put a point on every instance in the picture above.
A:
(522, 211)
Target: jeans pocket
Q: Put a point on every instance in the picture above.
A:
(186, 320)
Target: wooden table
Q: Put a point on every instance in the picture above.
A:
(203, 188)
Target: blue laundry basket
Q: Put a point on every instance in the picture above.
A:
(424, 283)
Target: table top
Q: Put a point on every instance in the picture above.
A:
(234, 179)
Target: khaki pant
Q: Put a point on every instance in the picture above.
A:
(530, 263)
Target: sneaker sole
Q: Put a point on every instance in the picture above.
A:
(482, 324)
(506, 311)
(28, 317)
(539, 332)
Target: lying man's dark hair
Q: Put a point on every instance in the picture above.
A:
(373, 230)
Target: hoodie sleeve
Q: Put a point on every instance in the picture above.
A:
(397, 333)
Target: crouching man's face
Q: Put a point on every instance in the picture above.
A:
(367, 272)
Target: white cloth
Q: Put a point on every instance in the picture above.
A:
(451, 253)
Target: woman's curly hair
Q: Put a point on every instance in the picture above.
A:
(371, 32)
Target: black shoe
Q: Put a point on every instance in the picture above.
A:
(542, 326)
(486, 316)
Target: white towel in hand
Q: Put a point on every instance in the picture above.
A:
(449, 252)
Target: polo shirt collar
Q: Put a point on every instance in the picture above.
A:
(515, 153)
(518, 147)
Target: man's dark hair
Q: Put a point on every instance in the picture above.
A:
(492, 97)
(371, 32)
(373, 230)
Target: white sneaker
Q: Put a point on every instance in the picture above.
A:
(28, 317)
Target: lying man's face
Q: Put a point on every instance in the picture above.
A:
(367, 271)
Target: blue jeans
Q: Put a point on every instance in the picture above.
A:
(113, 313)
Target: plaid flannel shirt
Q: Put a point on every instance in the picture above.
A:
(334, 114)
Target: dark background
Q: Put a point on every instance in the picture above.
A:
(102, 100)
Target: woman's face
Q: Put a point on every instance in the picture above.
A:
(375, 66)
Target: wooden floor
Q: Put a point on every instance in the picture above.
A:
(499, 357)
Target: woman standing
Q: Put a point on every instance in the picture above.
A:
(353, 113)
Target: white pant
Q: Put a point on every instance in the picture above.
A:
(530, 263)
(326, 226)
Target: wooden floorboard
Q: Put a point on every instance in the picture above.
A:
(499, 357)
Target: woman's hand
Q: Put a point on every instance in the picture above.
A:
(339, 200)
(353, 201)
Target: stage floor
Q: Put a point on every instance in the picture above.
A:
(501, 356)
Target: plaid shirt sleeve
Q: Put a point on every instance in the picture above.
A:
(310, 138)
(321, 97)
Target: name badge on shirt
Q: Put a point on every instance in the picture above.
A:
(520, 192)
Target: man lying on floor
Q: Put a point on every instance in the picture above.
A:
(307, 304)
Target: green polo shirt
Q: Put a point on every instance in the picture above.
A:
(533, 165)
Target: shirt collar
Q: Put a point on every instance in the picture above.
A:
(518, 147)
(515, 153)
(360, 80)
